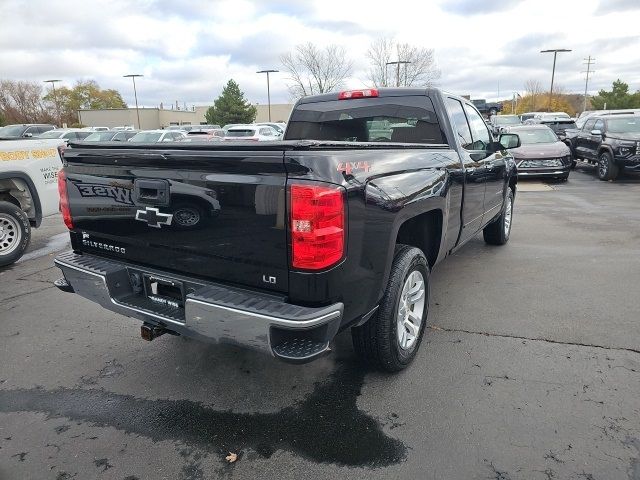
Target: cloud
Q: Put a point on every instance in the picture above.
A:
(615, 6)
(476, 7)
(188, 51)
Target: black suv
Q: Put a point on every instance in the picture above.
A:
(611, 142)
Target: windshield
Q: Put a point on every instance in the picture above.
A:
(51, 134)
(507, 120)
(99, 137)
(146, 137)
(624, 125)
(11, 131)
(409, 119)
(241, 133)
(538, 135)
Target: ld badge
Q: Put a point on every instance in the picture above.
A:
(152, 217)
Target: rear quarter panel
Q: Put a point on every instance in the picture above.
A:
(384, 189)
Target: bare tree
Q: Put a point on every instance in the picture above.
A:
(419, 70)
(313, 70)
(21, 102)
(533, 88)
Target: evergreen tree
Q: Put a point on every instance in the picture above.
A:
(618, 98)
(231, 107)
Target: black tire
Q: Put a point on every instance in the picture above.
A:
(497, 232)
(607, 169)
(376, 342)
(15, 233)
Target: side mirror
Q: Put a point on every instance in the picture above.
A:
(596, 132)
(510, 140)
(28, 135)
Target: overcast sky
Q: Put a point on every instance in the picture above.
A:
(187, 50)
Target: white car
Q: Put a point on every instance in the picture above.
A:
(278, 127)
(28, 191)
(66, 134)
(155, 136)
(255, 133)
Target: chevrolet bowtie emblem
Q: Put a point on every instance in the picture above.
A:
(152, 217)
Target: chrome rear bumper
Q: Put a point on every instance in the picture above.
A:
(212, 312)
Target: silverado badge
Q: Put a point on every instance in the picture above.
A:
(152, 217)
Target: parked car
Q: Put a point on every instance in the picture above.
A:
(538, 152)
(206, 135)
(182, 128)
(66, 134)
(559, 126)
(111, 136)
(96, 129)
(612, 142)
(528, 116)
(28, 191)
(123, 128)
(256, 133)
(320, 233)
(153, 136)
(229, 125)
(582, 118)
(26, 130)
(276, 126)
(499, 122)
(487, 108)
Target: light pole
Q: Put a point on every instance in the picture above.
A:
(553, 72)
(55, 99)
(268, 89)
(397, 64)
(135, 94)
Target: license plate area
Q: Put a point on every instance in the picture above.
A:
(163, 291)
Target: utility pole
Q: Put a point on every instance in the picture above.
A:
(268, 89)
(397, 64)
(553, 71)
(135, 94)
(588, 62)
(55, 99)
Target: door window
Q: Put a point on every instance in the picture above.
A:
(599, 125)
(479, 132)
(588, 126)
(460, 124)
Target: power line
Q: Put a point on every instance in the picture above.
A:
(588, 62)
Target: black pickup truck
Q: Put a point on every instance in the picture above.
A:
(278, 246)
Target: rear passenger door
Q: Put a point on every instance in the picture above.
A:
(474, 187)
(492, 164)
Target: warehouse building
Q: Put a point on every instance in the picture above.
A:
(154, 118)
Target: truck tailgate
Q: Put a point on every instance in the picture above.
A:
(216, 214)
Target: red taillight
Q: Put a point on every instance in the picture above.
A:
(64, 200)
(348, 94)
(317, 225)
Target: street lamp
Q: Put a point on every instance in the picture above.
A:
(135, 94)
(553, 72)
(397, 64)
(55, 98)
(268, 89)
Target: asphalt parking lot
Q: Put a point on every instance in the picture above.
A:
(530, 370)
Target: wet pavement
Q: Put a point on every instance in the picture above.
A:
(530, 369)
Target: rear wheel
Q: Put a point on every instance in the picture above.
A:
(187, 216)
(391, 338)
(15, 233)
(498, 231)
(607, 169)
